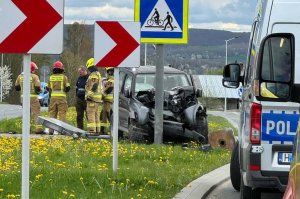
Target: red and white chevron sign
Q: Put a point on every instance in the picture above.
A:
(31, 26)
(117, 44)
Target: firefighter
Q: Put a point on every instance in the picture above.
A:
(58, 85)
(35, 89)
(107, 95)
(93, 98)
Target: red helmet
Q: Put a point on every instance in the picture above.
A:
(33, 67)
(58, 64)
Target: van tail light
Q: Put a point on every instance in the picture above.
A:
(255, 115)
(254, 167)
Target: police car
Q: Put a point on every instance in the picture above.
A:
(268, 122)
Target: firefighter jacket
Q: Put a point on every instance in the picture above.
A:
(35, 85)
(93, 87)
(108, 87)
(58, 85)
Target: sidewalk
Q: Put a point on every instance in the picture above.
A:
(201, 187)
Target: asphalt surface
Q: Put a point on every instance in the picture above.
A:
(202, 187)
(8, 111)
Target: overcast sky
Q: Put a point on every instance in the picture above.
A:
(231, 15)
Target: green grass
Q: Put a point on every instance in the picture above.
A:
(67, 168)
(218, 123)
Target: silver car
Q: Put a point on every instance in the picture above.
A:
(184, 116)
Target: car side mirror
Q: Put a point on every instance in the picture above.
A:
(198, 92)
(275, 68)
(127, 93)
(231, 76)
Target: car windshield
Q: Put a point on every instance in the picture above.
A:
(147, 81)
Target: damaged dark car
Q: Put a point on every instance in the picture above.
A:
(184, 117)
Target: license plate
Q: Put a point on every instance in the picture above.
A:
(285, 158)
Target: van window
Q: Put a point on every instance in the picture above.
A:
(251, 53)
(277, 60)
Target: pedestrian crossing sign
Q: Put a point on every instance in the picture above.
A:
(162, 21)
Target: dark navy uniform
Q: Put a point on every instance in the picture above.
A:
(80, 101)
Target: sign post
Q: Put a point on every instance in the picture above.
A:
(117, 44)
(26, 126)
(37, 27)
(162, 22)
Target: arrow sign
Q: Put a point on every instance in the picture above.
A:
(33, 22)
(117, 44)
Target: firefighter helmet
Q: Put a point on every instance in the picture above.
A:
(58, 65)
(33, 67)
(109, 68)
(90, 63)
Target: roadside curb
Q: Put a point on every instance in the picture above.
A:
(203, 186)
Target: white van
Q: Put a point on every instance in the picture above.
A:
(267, 126)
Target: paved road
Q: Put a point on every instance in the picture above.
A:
(232, 116)
(226, 191)
(8, 111)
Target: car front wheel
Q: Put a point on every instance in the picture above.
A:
(202, 128)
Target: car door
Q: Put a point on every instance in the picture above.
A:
(125, 95)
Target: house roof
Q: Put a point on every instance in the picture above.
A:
(212, 87)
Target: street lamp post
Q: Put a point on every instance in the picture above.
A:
(1, 81)
(226, 44)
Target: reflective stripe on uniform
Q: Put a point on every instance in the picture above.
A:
(32, 95)
(56, 78)
(58, 94)
(105, 124)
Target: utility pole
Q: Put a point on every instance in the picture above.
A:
(226, 44)
(1, 80)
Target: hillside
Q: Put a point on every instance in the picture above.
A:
(204, 51)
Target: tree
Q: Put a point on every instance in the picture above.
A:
(5, 81)
(78, 49)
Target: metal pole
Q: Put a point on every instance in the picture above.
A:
(226, 43)
(1, 81)
(225, 97)
(159, 97)
(145, 54)
(26, 127)
(116, 120)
